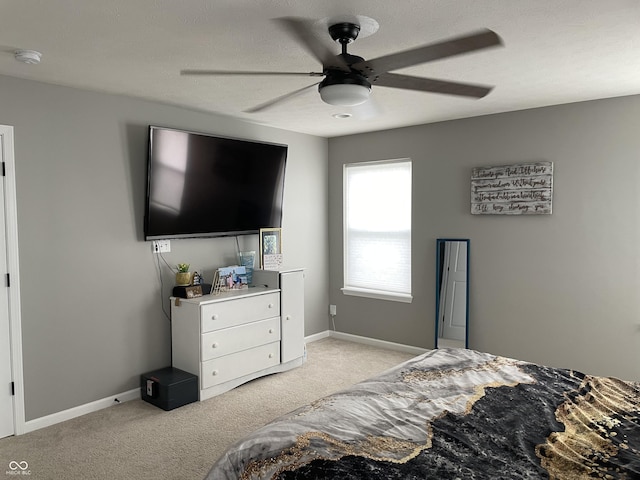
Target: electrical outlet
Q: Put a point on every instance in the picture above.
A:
(332, 309)
(161, 246)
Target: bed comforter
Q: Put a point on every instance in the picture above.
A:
(453, 414)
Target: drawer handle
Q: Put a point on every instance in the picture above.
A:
(288, 317)
(271, 355)
(214, 317)
(271, 305)
(214, 373)
(215, 345)
(271, 330)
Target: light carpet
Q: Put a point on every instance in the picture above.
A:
(140, 441)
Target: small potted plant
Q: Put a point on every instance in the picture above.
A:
(183, 276)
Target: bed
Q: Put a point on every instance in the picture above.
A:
(453, 414)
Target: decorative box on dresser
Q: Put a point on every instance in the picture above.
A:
(237, 336)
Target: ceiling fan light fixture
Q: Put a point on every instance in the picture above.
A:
(348, 78)
(345, 95)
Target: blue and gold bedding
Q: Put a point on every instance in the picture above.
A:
(451, 414)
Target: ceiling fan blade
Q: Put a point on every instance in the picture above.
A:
(247, 72)
(431, 85)
(455, 46)
(303, 31)
(281, 98)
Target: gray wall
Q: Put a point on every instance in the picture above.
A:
(92, 301)
(562, 290)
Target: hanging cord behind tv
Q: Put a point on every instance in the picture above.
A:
(159, 267)
(166, 314)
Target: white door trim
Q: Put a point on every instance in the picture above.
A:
(13, 266)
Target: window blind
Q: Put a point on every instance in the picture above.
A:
(377, 226)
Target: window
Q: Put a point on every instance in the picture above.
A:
(377, 229)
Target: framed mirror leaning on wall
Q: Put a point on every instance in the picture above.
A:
(452, 293)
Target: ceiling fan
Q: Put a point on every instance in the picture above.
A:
(348, 78)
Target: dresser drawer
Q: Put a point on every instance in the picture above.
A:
(238, 311)
(235, 339)
(230, 367)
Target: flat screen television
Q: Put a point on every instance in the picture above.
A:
(201, 185)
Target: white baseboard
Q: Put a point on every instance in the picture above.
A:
(134, 394)
(374, 342)
(80, 410)
(317, 336)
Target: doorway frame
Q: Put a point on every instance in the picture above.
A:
(13, 269)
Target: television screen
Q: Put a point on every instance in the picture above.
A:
(201, 185)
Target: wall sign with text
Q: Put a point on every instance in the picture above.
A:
(522, 189)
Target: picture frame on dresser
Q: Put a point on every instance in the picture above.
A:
(270, 244)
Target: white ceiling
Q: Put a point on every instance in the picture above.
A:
(556, 51)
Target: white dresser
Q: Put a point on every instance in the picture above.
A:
(231, 338)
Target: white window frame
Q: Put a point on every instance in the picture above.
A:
(356, 290)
